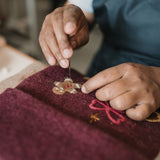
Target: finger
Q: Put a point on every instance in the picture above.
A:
(125, 101)
(61, 36)
(102, 78)
(47, 53)
(53, 46)
(113, 90)
(72, 19)
(140, 112)
(81, 38)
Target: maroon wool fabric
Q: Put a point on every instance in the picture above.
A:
(32, 130)
(37, 124)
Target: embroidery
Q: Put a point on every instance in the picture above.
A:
(66, 86)
(120, 118)
(94, 118)
(155, 117)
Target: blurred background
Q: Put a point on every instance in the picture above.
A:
(20, 24)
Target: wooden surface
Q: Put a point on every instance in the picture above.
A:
(15, 66)
(14, 80)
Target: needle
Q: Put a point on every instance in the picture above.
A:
(69, 68)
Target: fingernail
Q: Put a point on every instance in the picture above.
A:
(51, 61)
(83, 89)
(67, 53)
(70, 27)
(64, 63)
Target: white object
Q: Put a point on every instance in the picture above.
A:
(12, 62)
(86, 5)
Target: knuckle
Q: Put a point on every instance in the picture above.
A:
(73, 8)
(58, 10)
(58, 18)
(57, 14)
(153, 103)
(47, 18)
(130, 68)
(139, 80)
(129, 65)
(117, 103)
(149, 89)
(146, 90)
(63, 39)
(100, 95)
(102, 75)
(57, 55)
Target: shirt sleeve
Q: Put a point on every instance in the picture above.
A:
(85, 5)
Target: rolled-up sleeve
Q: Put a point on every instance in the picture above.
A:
(85, 5)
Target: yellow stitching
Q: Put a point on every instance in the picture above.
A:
(154, 119)
(94, 118)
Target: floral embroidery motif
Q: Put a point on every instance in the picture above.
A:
(66, 86)
(105, 106)
(94, 118)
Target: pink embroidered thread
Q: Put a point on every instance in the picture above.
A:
(68, 86)
(108, 109)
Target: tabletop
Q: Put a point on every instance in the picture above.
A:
(15, 66)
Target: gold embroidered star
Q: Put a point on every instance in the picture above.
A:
(94, 118)
(155, 117)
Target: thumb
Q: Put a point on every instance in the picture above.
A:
(73, 18)
(70, 28)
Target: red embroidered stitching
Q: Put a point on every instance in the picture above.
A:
(108, 109)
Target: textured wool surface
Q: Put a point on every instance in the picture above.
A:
(37, 124)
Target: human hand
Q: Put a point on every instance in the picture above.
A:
(129, 86)
(63, 30)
